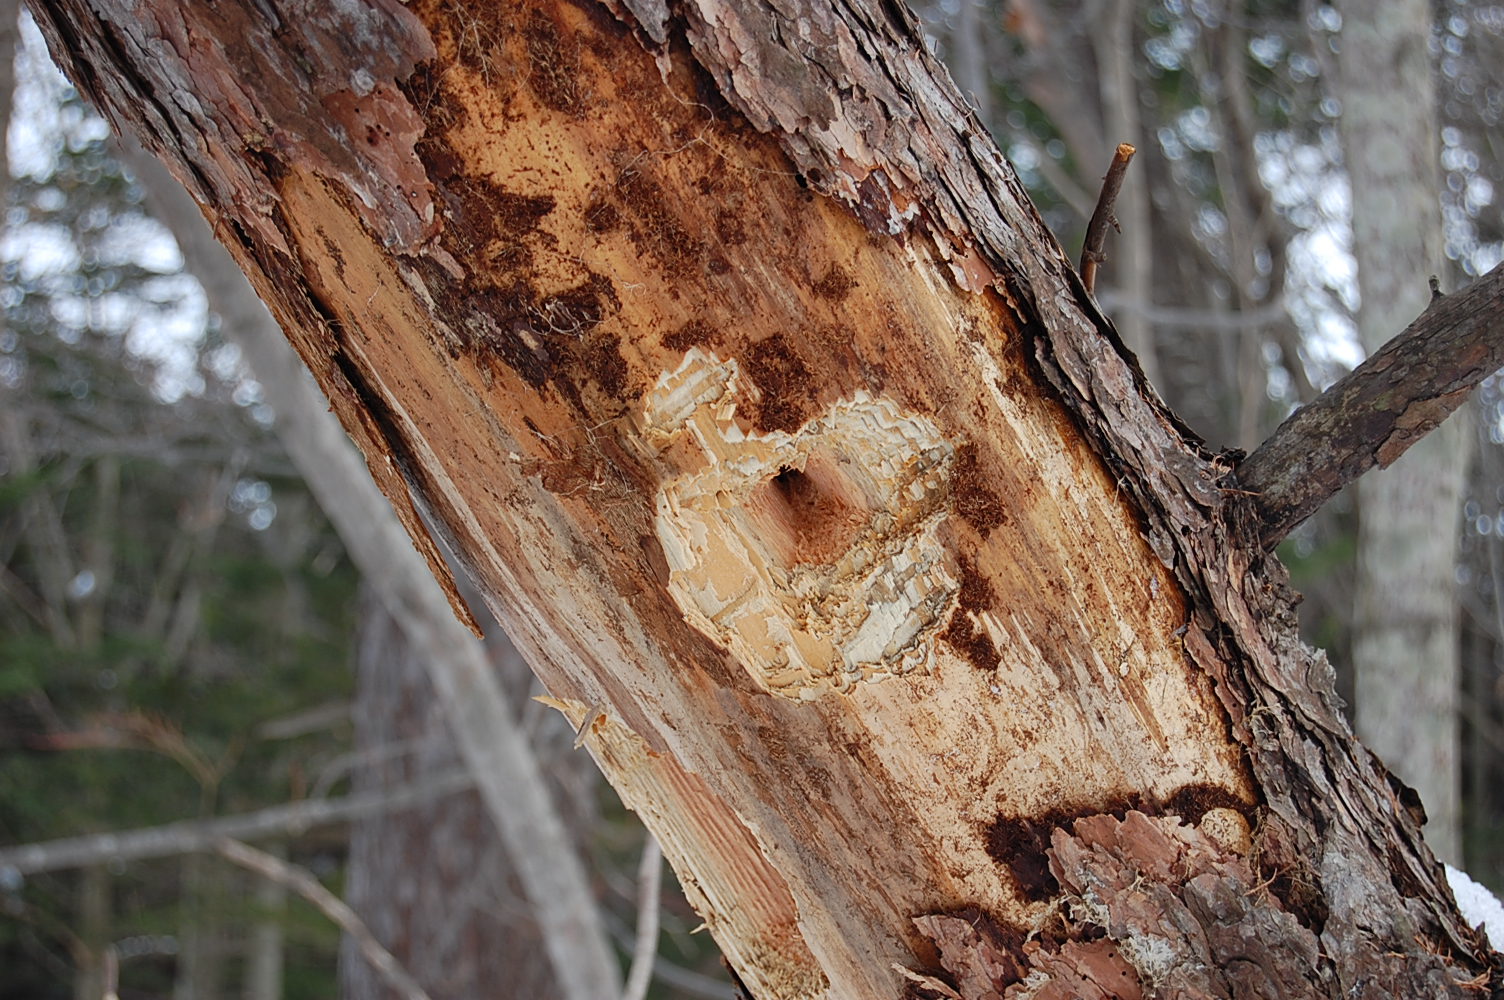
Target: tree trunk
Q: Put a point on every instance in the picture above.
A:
(94, 910)
(266, 949)
(458, 919)
(785, 442)
(1405, 609)
(200, 955)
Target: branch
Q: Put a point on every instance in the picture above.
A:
(1092, 253)
(302, 881)
(200, 835)
(649, 875)
(1196, 319)
(1373, 415)
(111, 973)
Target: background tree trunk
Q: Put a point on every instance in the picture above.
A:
(1116, 50)
(266, 949)
(458, 918)
(1405, 615)
(94, 909)
(784, 440)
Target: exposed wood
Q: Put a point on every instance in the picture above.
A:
(1374, 414)
(770, 419)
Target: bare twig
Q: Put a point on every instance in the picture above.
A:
(318, 719)
(1385, 405)
(1092, 254)
(302, 881)
(1196, 319)
(677, 977)
(198, 835)
(649, 877)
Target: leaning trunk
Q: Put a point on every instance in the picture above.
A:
(781, 435)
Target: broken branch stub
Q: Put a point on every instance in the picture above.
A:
(1093, 247)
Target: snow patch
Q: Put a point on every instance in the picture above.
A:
(1479, 906)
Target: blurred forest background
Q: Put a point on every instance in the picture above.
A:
(188, 649)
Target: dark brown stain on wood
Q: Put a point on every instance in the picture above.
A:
(601, 359)
(602, 215)
(834, 284)
(554, 69)
(1020, 843)
(695, 333)
(653, 226)
(975, 498)
(963, 634)
(784, 382)
(729, 229)
(1192, 802)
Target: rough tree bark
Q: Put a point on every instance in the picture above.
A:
(1401, 393)
(786, 443)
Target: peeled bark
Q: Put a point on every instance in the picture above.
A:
(787, 445)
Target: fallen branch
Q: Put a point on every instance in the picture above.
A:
(201, 835)
(303, 882)
(1373, 415)
(1092, 253)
